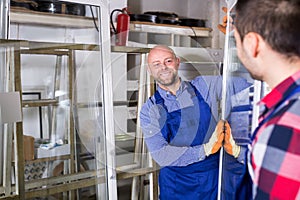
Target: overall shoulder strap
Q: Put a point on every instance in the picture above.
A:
(158, 98)
(195, 90)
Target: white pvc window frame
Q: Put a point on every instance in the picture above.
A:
(108, 117)
(105, 50)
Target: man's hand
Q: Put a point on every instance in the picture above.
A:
(222, 27)
(229, 144)
(216, 140)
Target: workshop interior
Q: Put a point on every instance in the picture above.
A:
(74, 79)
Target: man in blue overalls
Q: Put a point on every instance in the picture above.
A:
(180, 128)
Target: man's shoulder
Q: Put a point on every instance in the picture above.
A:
(205, 79)
(291, 110)
(202, 82)
(148, 103)
(286, 117)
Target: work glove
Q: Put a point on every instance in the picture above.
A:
(216, 140)
(222, 27)
(229, 144)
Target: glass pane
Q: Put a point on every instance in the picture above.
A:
(237, 109)
(185, 121)
(58, 67)
(127, 64)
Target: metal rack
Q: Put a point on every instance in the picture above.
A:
(67, 183)
(74, 179)
(15, 49)
(142, 165)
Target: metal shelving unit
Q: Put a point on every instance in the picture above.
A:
(141, 169)
(171, 35)
(48, 186)
(72, 180)
(16, 49)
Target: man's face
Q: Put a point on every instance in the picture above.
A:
(163, 66)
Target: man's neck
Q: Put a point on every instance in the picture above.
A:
(284, 69)
(172, 88)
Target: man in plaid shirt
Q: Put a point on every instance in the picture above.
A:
(267, 34)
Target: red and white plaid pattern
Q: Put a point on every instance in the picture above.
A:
(275, 152)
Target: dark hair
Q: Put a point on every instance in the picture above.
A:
(277, 21)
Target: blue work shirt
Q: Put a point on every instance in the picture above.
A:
(184, 156)
(165, 154)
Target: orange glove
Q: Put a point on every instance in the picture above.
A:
(222, 27)
(229, 145)
(216, 140)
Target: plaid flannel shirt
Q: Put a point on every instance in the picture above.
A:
(275, 150)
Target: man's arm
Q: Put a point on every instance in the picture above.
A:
(153, 118)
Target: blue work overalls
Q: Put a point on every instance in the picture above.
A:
(236, 180)
(198, 180)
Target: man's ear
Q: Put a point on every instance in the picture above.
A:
(178, 59)
(251, 44)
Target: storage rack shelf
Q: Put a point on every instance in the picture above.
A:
(21, 16)
(170, 29)
(74, 180)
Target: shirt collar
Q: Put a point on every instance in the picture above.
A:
(183, 86)
(281, 91)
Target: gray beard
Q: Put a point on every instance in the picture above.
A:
(168, 83)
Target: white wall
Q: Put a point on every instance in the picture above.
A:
(175, 6)
(116, 4)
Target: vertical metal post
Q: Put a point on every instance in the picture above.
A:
(227, 62)
(3, 35)
(4, 23)
(214, 22)
(71, 132)
(139, 138)
(2, 142)
(107, 96)
(7, 163)
(153, 178)
(4, 8)
(20, 162)
(8, 129)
